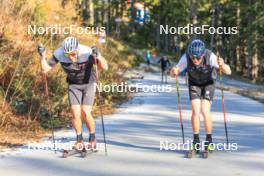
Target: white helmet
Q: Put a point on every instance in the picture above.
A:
(70, 44)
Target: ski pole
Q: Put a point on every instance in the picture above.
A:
(161, 76)
(166, 78)
(41, 49)
(99, 94)
(223, 104)
(49, 106)
(179, 108)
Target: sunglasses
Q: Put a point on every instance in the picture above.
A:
(196, 58)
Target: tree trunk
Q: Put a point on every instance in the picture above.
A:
(219, 43)
(238, 21)
(214, 16)
(79, 7)
(85, 11)
(249, 41)
(193, 15)
(91, 13)
(108, 17)
(249, 58)
(166, 42)
(255, 59)
(117, 12)
(104, 15)
(166, 36)
(158, 32)
(246, 56)
(122, 8)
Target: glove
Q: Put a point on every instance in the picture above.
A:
(95, 54)
(94, 50)
(41, 49)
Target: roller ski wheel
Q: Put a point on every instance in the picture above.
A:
(67, 153)
(192, 153)
(86, 151)
(193, 150)
(83, 153)
(206, 152)
(74, 150)
(91, 149)
(92, 144)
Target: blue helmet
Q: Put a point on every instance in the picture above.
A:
(196, 48)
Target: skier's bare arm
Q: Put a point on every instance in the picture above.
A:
(102, 63)
(44, 64)
(225, 68)
(175, 71)
(219, 63)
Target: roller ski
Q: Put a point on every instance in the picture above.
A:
(78, 148)
(195, 149)
(83, 153)
(75, 150)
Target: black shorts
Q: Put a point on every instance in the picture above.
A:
(82, 94)
(202, 92)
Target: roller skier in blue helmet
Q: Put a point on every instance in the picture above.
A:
(201, 65)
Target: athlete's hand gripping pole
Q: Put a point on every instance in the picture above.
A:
(223, 101)
(41, 50)
(179, 107)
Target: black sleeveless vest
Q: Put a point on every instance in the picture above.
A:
(79, 72)
(201, 74)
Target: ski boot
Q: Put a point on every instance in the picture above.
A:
(92, 143)
(209, 147)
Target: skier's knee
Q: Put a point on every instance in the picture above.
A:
(195, 114)
(87, 110)
(205, 113)
(76, 111)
